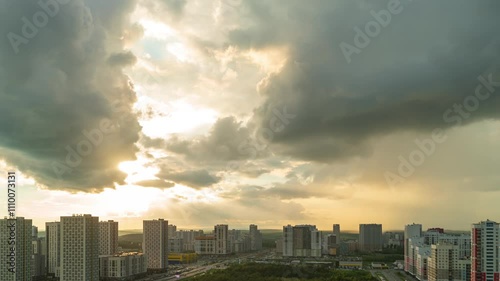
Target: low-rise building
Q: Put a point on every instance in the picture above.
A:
(182, 258)
(204, 245)
(122, 266)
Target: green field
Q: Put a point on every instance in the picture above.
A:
(274, 272)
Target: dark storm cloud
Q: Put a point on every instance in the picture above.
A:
(65, 104)
(423, 62)
(192, 178)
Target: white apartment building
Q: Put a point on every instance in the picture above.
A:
(423, 252)
(108, 237)
(411, 231)
(417, 247)
(79, 250)
(23, 249)
(155, 244)
(53, 242)
(123, 266)
(485, 259)
(445, 263)
(204, 245)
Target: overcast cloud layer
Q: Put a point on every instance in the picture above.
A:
(302, 105)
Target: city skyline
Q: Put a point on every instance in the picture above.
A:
(244, 112)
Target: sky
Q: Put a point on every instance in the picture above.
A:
(252, 111)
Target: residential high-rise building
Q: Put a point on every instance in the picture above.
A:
(222, 246)
(301, 241)
(37, 258)
(108, 237)
(331, 245)
(419, 250)
(445, 263)
(336, 231)
(411, 231)
(188, 238)
(485, 259)
(172, 229)
(287, 241)
(370, 237)
(423, 252)
(16, 240)
(255, 238)
(155, 244)
(53, 242)
(79, 250)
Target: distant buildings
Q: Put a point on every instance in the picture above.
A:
(445, 263)
(188, 238)
(20, 229)
(332, 244)
(255, 238)
(108, 237)
(155, 244)
(370, 237)
(38, 255)
(175, 245)
(205, 245)
(485, 251)
(124, 266)
(393, 239)
(336, 230)
(436, 255)
(221, 239)
(53, 242)
(301, 241)
(79, 248)
(224, 241)
(411, 231)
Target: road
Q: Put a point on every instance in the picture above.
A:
(391, 275)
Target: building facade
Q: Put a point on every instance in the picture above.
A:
(411, 231)
(370, 237)
(255, 238)
(485, 259)
(302, 241)
(445, 263)
(108, 237)
(205, 245)
(222, 246)
(79, 249)
(16, 240)
(123, 266)
(53, 242)
(155, 244)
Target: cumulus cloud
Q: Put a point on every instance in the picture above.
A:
(405, 80)
(191, 178)
(65, 103)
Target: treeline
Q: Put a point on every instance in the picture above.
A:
(274, 272)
